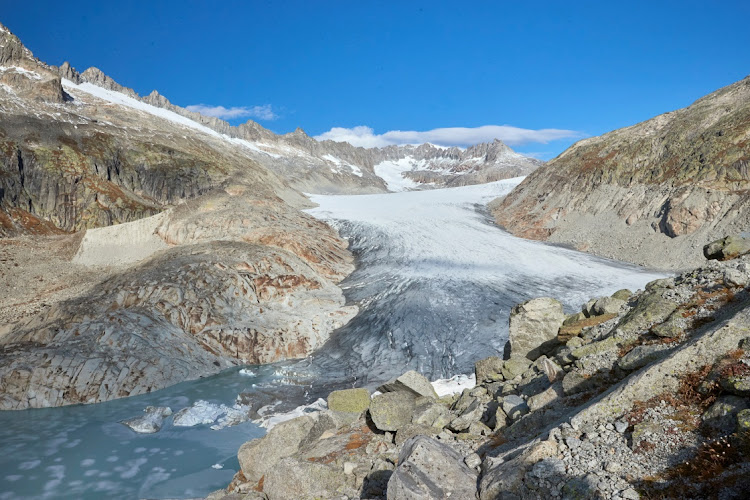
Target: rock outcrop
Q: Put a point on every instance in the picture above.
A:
(652, 193)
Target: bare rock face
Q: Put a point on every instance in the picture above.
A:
(652, 193)
(188, 312)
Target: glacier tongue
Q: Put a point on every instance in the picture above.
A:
(436, 279)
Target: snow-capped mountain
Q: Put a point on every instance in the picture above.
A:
(327, 166)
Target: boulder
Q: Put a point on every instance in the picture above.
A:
(588, 308)
(150, 422)
(431, 415)
(550, 369)
(515, 366)
(650, 309)
(463, 402)
(574, 318)
(727, 248)
(259, 456)
(500, 419)
(349, 400)
(574, 382)
(608, 305)
(739, 385)
(392, 410)
(623, 294)
(489, 370)
(428, 469)
(409, 431)
(298, 479)
(722, 415)
(514, 407)
(674, 326)
(469, 416)
(547, 397)
(411, 381)
(533, 327)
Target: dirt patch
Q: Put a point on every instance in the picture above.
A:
(36, 272)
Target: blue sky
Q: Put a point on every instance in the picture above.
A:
(537, 74)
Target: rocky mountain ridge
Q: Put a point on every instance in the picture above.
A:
(651, 193)
(325, 166)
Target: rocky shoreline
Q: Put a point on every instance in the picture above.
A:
(639, 395)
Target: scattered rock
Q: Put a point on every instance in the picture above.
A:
(428, 469)
(412, 382)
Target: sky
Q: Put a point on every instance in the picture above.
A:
(538, 75)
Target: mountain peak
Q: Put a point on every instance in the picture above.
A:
(11, 48)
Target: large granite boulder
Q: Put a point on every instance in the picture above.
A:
(392, 410)
(428, 469)
(533, 327)
(259, 456)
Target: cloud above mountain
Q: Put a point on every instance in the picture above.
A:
(451, 136)
(264, 112)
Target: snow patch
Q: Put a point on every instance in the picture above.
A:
(271, 421)
(31, 74)
(341, 163)
(454, 385)
(392, 173)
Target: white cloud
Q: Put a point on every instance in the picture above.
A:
(264, 112)
(452, 136)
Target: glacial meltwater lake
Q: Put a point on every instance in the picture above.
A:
(435, 281)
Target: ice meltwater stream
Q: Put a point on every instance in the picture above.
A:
(435, 281)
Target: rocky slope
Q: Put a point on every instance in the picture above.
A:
(651, 193)
(640, 395)
(225, 271)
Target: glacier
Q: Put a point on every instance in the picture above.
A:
(435, 281)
